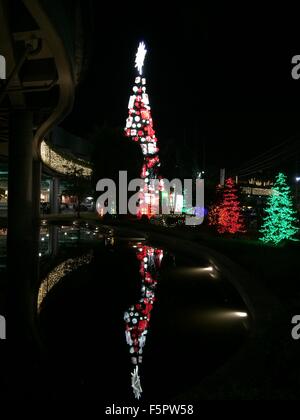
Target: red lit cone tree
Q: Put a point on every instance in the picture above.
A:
(230, 218)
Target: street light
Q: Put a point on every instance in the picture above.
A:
(297, 178)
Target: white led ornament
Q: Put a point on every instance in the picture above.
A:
(131, 101)
(129, 122)
(151, 148)
(145, 98)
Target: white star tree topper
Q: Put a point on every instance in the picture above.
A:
(140, 57)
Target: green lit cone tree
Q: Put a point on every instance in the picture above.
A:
(280, 222)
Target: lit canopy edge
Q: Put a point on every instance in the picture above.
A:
(63, 164)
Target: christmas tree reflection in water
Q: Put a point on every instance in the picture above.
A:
(138, 316)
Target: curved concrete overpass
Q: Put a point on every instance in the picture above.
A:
(42, 43)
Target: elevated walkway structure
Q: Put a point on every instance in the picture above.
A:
(45, 53)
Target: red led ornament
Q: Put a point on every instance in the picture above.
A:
(145, 114)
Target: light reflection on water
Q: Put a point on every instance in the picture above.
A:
(194, 319)
(58, 273)
(137, 317)
(64, 236)
(3, 235)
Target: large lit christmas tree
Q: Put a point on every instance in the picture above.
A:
(230, 218)
(139, 126)
(280, 222)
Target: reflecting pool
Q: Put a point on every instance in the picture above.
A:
(124, 319)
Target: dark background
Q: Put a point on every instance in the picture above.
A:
(219, 81)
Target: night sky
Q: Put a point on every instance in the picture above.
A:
(219, 77)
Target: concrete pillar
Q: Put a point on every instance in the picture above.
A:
(53, 240)
(160, 205)
(36, 200)
(36, 189)
(21, 262)
(54, 193)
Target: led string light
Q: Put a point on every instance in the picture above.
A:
(61, 164)
(280, 221)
